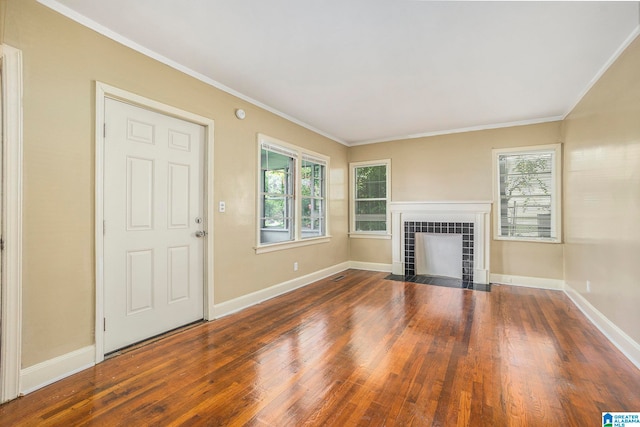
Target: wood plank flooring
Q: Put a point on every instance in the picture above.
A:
(359, 351)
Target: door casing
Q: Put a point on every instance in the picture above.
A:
(11, 286)
(106, 91)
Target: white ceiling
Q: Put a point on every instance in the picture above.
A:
(362, 71)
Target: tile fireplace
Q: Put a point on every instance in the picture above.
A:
(470, 219)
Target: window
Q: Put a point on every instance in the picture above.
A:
(276, 219)
(292, 193)
(370, 195)
(527, 193)
(313, 197)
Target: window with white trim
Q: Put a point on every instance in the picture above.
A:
(312, 192)
(370, 196)
(527, 193)
(292, 203)
(277, 166)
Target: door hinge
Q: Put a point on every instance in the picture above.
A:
(1, 244)
(104, 130)
(104, 227)
(104, 324)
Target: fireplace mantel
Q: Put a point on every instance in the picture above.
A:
(476, 212)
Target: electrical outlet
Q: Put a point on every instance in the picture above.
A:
(222, 207)
(295, 266)
(588, 286)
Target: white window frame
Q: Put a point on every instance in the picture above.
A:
(288, 195)
(556, 194)
(386, 234)
(322, 199)
(299, 154)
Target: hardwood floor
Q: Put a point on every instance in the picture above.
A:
(359, 351)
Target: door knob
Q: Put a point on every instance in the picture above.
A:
(200, 234)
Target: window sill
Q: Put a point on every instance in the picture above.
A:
(527, 240)
(289, 245)
(361, 235)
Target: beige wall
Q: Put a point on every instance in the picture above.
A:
(602, 194)
(459, 167)
(62, 60)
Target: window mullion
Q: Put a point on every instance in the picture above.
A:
(297, 184)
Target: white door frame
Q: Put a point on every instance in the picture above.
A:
(105, 91)
(11, 334)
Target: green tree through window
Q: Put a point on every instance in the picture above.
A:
(370, 197)
(292, 201)
(276, 196)
(313, 198)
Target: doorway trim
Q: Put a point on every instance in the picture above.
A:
(11, 334)
(103, 91)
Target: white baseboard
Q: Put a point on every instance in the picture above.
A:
(371, 266)
(52, 370)
(237, 304)
(528, 282)
(624, 343)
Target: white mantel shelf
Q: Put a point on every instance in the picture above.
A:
(457, 205)
(477, 212)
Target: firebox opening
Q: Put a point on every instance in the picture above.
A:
(439, 254)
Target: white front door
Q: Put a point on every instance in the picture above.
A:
(153, 213)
